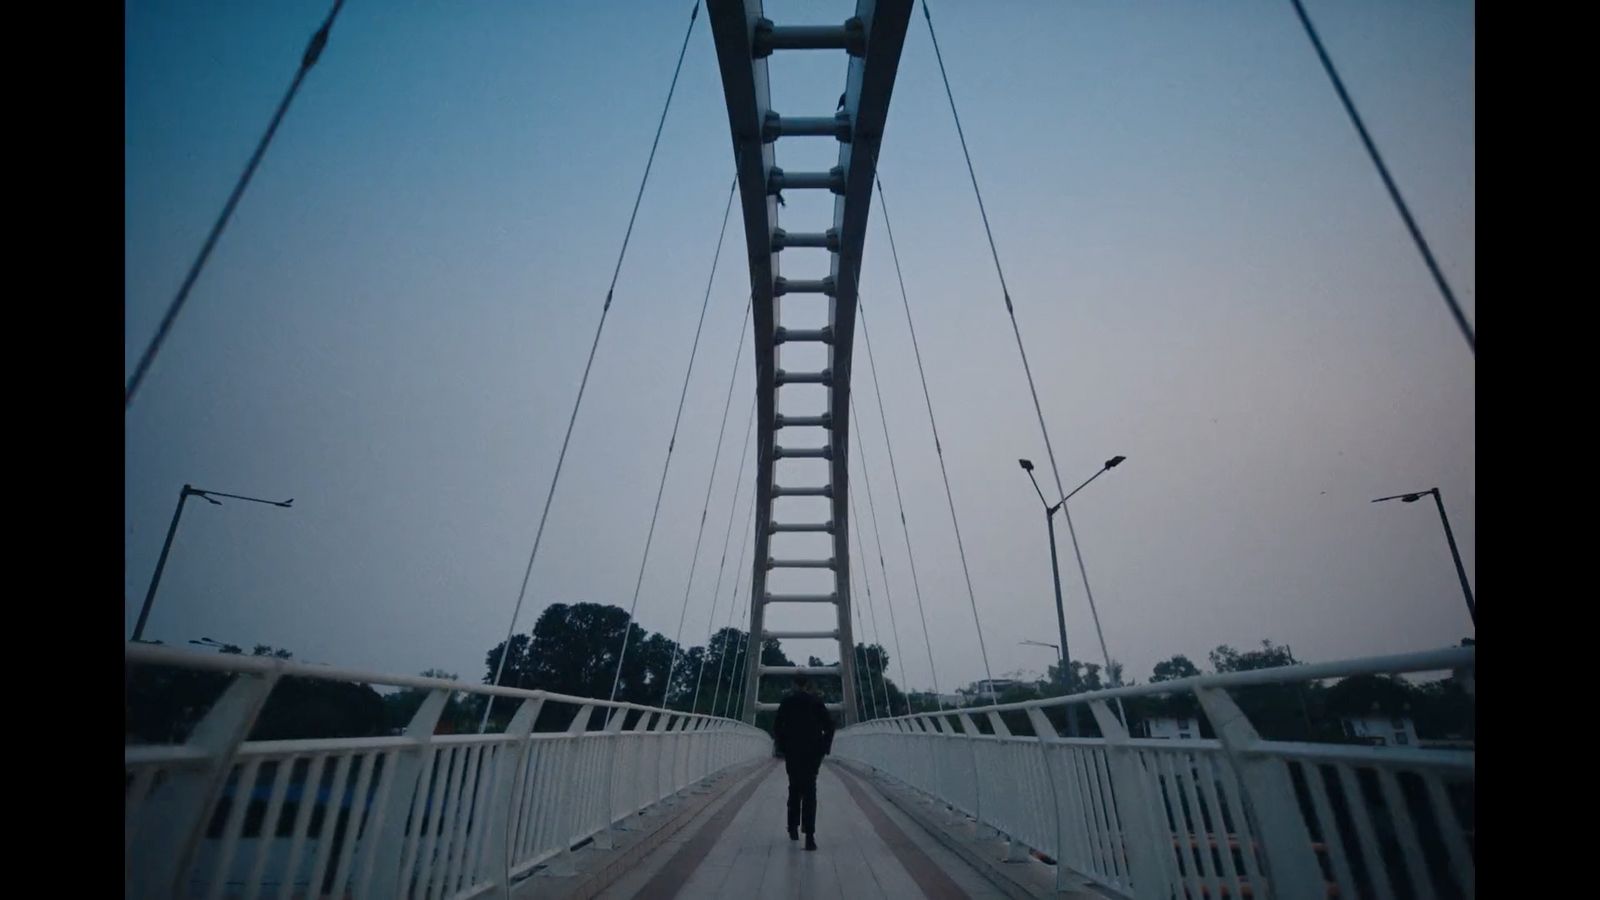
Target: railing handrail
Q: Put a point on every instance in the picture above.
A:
(150, 654)
(415, 812)
(1134, 815)
(1449, 658)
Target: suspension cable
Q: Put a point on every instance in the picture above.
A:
(309, 58)
(869, 708)
(866, 581)
(738, 576)
(737, 676)
(877, 535)
(584, 382)
(944, 473)
(877, 632)
(1005, 292)
(1388, 181)
(888, 599)
(666, 467)
(716, 591)
(694, 559)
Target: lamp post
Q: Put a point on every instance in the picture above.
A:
(1062, 661)
(161, 563)
(1055, 564)
(1064, 672)
(1449, 536)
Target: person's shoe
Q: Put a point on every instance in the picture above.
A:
(811, 842)
(794, 834)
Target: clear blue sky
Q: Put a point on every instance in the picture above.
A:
(1206, 269)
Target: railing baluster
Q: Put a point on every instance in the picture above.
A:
(1267, 783)
(1241, 820)
(452, 841)
(356, 825)
(1317, 782)
(373, 845)
(1377, 869)
(178, 813)
(328, 834)
(1194, 817)
(426, 817)
(269, 826)
(302, 824)
(411, 777)
(1220, 824)
(1400, 814)
(243, 786)
(1450, 830)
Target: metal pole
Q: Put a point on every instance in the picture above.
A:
(1064, 673)
(1061, 615)
(1461, 572)
(1084, 573)
(161, 564)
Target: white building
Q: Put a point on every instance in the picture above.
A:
(1381, 729)
(980, 690)
(1172, 727)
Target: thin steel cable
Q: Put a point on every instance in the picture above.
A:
(666, 468)
(877, 535)
(738, 576)
(319, 40)
(694, 559)
(869, 709)
(938, 448)
(1005, 292)
(877, 633)
(872, 506)
(1388, 181)
(736, 685)
(716, 591)
(861, 551)
(861, 625)
(595, 345)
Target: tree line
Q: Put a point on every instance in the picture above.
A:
(572, 649)
(1301, 711)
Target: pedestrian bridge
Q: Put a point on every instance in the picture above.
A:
(582, 797)
(568, 796)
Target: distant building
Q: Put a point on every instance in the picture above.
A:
(979, 691)
(1180, 728)
(1381, 729)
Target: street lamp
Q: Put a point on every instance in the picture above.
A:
(1461, 572)
(1056, 647)
(1055, 565)
(1064, 672)
(161, 563)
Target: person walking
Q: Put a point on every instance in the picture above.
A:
(803, 734)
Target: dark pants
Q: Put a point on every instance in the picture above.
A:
(803, 792)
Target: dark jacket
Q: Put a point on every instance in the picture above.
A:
(804, 727)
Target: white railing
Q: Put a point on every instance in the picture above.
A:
(1232, 817)
(409, 815)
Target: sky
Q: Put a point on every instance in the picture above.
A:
(1207, 273)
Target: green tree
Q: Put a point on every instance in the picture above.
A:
(722, 658)
(163, 704)
(461, 712)
(573, 650)
(1281, 712)
(1227, 659)
(1172, 669)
